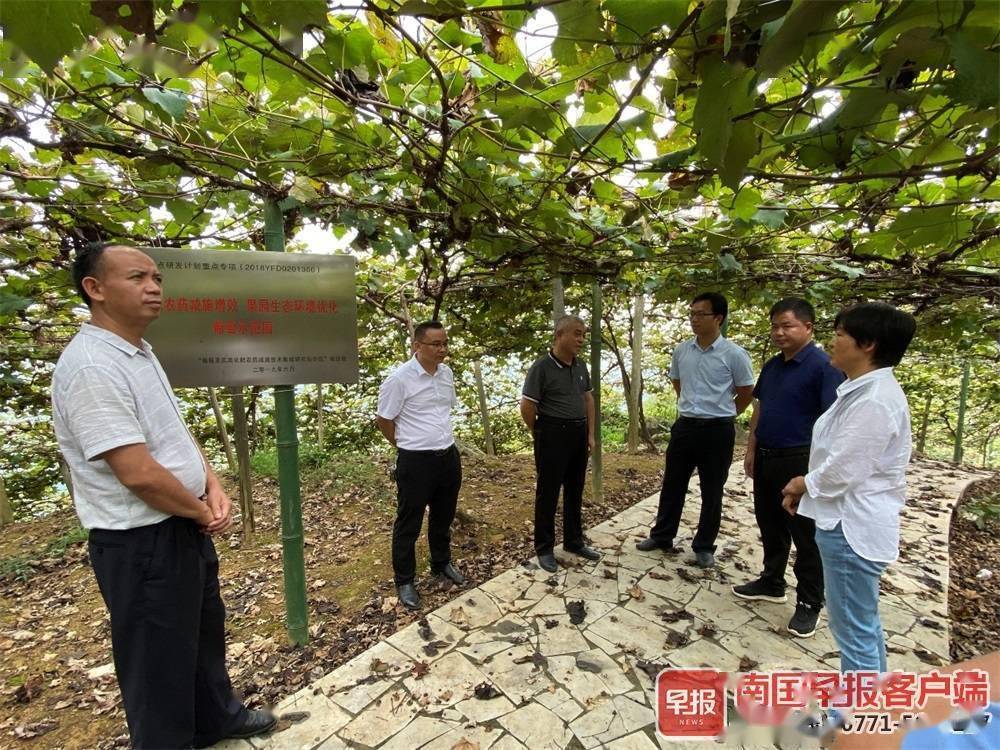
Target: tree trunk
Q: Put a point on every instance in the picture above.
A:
(243, 452)
(644, 433)
(558, 299)
(484, 410)
(635, 391)
(406, 312)
(319, 414)
(67, 476)
(922, 435)
(220, 420)
(596, 463)
(6, 511)
(963, 398)
(251, 417)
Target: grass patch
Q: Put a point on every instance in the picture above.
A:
(22, 567)
(265, 462)
(984, 511)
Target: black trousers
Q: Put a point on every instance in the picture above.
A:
(424, 479)
(560, 464)
(161, 586)
(705, 445)
(778, 529)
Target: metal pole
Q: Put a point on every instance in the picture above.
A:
(292, 541)
(963, 398)
(597, 471)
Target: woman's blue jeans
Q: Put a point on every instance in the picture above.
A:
(851, 584)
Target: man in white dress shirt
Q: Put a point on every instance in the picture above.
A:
(152, 504)
(414, 415)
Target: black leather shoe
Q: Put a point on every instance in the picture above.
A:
(586, 552)
(704, 559)
(408, 596)
(256, 722)
(548, 563)
(648, 544)
(451, 573)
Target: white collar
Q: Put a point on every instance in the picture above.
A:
(110, 337)
(862, 380)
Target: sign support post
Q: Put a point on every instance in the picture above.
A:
(292, 538)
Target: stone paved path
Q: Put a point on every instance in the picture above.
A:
(571, 677)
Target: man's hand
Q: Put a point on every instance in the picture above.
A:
(792, 494)
(221, 508)
(591, 444)
(206, 518)
(791, 503)
(748, 463)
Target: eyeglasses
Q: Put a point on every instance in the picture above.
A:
(695, 314)
(435, 344)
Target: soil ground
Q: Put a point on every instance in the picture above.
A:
(974, 587)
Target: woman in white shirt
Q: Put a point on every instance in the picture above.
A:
(856, 483)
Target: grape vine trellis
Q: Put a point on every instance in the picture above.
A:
(843, 149)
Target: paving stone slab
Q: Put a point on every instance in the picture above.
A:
(324, 719)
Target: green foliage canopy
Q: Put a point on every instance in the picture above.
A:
(840, 149)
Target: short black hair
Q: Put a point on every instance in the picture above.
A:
(430, 325)
(799, 307)
(720, 305)
(889, 328)
(88, 263)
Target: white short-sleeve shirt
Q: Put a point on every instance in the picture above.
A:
(420, 404)
(107, 393)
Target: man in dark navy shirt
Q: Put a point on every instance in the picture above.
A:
(794, 388)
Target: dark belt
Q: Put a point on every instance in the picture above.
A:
(437, 452)
(561, 422)
(707, 420)
(797, 450)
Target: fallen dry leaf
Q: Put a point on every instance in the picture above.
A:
(420, 668)
(484, 691)
(677, 640)
(35, 729)
(459, 617)
(636, 592)
(747, 664)
(577, 612)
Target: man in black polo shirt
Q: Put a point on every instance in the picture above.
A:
(558, 407)
(794, 388)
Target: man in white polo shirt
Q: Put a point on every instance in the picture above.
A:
(414, 415)
(152, 504)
